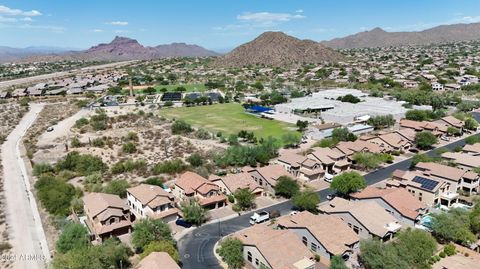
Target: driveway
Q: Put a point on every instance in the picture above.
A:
(27, 237)
(196, 247)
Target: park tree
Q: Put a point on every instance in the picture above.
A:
(425, 140)
(193, 212)
(348, 182)
(161, 246)
(244, 198)
(302, 125)
(149, 90)
(307, 199)
(290, 140)
(231, 251)
(286, 187)
(73, 236)
(146, 231)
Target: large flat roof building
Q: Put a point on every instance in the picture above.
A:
(331, 110)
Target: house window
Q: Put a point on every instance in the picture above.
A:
(314, 247)
(112, 220)
(249, 256)
(356, 229)
(256, 261)
(304, 240)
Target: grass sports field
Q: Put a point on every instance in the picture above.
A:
(229, 119)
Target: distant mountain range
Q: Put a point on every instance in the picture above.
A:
(12, 54)
(121, 48)
(380, 38)
(277, 49)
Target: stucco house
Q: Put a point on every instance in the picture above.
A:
(149, 201)
(107, 215)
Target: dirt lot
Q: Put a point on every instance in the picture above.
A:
(154, 141)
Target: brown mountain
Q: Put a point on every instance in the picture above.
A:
(123, 48)
(380, 38)
(277, 49)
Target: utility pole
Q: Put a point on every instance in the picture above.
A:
(130, 84)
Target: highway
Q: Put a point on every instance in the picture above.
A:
(196, 247)
(36, 79)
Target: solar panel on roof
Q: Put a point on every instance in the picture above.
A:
(172, 96)
(426, 183)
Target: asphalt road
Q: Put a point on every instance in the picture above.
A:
(196, 247)
(27, 237)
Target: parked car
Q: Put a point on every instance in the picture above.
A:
(444, 138)
(328, 177)
(331, 196)
(49, 129)
(259, 217)
(183, 223)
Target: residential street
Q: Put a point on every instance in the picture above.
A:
(196, 248)
(27, 237)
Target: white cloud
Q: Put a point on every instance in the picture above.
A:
(51, 28)
(97, 30)
(4, 10)
(467, 19)
(27, 19)
(268, 17)
(299, 11)
(121, 31)
(7, 19)
(118, 23)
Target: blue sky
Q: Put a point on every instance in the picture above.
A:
(215, 24)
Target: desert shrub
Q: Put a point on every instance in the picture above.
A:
(169, 167)
(181, 127)
(129, 147)
(83, 164)
(56, 195)
(42, 168)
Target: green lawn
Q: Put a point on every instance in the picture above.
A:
(199, 87)
(229, 119)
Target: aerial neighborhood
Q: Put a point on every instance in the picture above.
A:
(357, 152)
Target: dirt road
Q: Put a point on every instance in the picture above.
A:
(26, 232)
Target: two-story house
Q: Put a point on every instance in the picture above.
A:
(264, 247)
(396, 201)
(107, 215)
(365, 218)
(149, 201)
(325, 235)
(191, 185)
